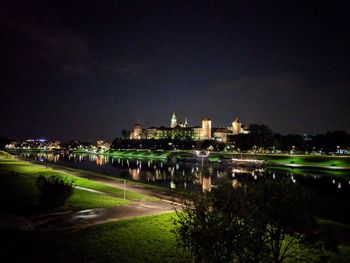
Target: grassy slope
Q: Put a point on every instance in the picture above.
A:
(112, 178)
(156, 155)
(19, 194)
(143, 239)
(32, 169)
(275, 159)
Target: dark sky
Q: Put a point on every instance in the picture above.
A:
(87, 69)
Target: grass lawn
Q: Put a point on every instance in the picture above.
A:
(21, 167)
(112, 178)
(19, 194)
(143, 239)
(331, 161)
(132, 154)
(307, 160)
(82, 200)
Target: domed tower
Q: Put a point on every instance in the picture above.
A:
(136, 132)
(206, 129)
(173, 121)
(236, 127)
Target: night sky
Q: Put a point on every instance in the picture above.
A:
(87, 69)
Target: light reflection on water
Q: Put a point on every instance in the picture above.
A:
(184, 175)
(330, 191)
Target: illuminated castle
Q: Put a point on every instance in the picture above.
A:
(181, 131)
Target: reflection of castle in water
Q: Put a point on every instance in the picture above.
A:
(189, 176)
(182, 176)
(193, 176)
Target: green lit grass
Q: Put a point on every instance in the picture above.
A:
(4, 154)
(139, 154)
(143, 239)
(82, 200)
(27, 168)
(271, 159)
(112, 178)
(303, 160)
(19, 195)
(150, 239)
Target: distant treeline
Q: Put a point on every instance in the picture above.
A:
(263, 137)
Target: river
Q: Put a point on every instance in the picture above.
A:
(330, 190)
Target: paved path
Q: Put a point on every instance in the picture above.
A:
(112, 181)
(72, 221)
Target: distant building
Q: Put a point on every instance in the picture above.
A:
(136, 132)
(237, 127)
(173, 122)
(220, 134)
(41, 144)
(181, 131)
(206, 129)
(103, 145)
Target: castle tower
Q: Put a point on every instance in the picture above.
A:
(236, 127)
(136, 133)
(173, 121)
(206, 129)
(185, 124)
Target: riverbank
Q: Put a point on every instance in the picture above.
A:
(272, 160)
(329, 162)
(92, 190)
(297, 161)
(140, 239)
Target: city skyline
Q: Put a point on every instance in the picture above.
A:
(89, 70)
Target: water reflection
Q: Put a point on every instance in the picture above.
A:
(43, 157)
(330, 189)
(189, 176)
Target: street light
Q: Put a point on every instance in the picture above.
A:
(124, 188)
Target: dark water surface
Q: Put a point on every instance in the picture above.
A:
(330, 190)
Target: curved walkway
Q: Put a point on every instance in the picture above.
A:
(111, 181)
(73, 221)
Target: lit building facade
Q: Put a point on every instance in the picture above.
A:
(137, 132)
(173, 122)
(237, 127)
(103, 145)
(181, 131)
(206, 129)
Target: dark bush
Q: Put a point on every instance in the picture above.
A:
(54, 190)
(261, 222)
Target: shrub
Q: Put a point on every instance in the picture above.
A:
(54, 190)
(261, 222)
